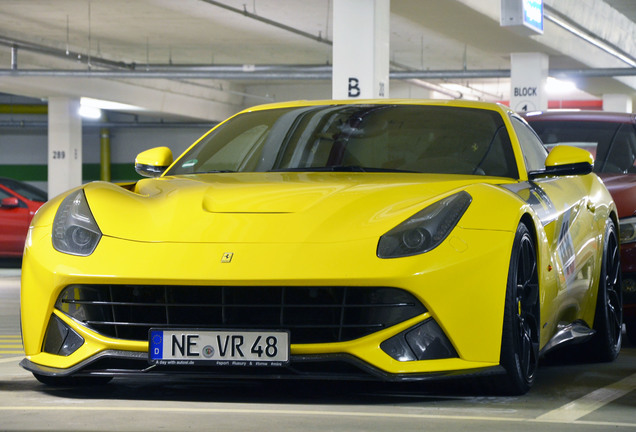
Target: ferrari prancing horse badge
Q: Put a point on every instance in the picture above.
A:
(227, 257)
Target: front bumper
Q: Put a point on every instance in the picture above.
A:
(460, 284)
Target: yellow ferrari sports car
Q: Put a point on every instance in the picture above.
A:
(378, 239)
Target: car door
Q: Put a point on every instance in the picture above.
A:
(570, 224)
(14, 224)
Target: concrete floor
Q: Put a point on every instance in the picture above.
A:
(568, 396)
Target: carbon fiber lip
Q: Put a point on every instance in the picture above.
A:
(366, 372)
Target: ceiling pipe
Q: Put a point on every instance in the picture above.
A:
(593, 73)
(321, 73)
(63, 54)
(237, 68)
(505, 73)
(561, 20)
(244, 11)
(183, 74)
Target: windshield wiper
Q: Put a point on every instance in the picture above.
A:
(214, 172)
(341, 168)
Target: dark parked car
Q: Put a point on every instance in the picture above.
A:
(18, 203)
(611, 138)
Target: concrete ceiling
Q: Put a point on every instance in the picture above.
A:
(199, 58)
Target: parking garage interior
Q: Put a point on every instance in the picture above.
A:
(158, 73)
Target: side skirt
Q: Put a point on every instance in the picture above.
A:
(569, 334)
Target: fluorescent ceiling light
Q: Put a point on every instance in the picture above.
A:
(557, 86)
(90, 112)
(108, 105)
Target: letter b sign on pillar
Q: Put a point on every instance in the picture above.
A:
(354, 87)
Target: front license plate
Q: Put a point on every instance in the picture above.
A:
(218, 347)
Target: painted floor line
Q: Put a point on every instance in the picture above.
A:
(583, 406)
(301, 412)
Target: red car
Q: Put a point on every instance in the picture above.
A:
(611, 138)
(18, 203)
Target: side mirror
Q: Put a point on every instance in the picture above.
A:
(153, 162)
(11, 202)
(566, 160)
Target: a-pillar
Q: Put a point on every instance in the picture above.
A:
(65, 145)
(617, 103)
(528, 76)
(361, 49)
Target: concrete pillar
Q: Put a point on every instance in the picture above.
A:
(361, 49)
(65, 145)
(528, 76)
(617, 102)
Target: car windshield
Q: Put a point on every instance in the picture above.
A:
(357, 138)
(613, 145)
(26, 190)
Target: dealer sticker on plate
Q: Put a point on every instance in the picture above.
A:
(218, 347)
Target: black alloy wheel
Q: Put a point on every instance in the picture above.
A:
(520, 338)
(608, 318)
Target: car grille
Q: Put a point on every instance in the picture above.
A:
(312, 314)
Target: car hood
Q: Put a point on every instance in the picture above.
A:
(622, 187)
(267, 207)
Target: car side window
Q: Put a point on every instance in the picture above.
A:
(533, 150)
(622, 153)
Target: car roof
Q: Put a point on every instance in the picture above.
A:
(567, 115)
(8, 182)
(400, 101)
(18, 187)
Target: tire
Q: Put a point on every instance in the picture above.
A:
(520, 336)
(608, 318)
(72, 381)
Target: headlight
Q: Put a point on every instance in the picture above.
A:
(424, 230)
(628, 230)
(75, 231)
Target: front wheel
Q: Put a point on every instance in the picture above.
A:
(520, 337)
